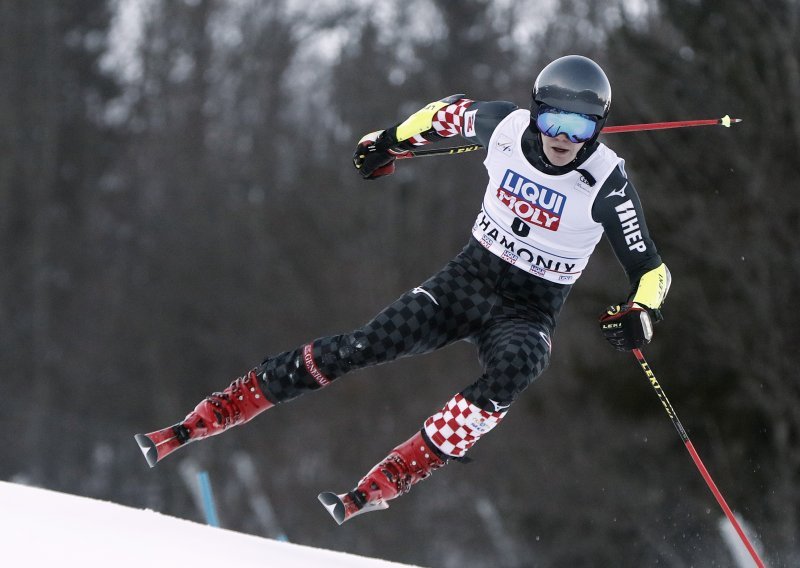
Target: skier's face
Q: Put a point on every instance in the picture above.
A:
(559, 151)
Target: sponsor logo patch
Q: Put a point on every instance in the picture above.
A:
(311, 366)
(421, 290)
(618, 192)
(630, 226)
(546, 339)
(504, 144)
(469, 122)
(479, 424)
(509, 256)
(533, 203)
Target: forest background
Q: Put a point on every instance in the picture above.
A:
(177, 201)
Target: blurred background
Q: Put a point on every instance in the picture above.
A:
(177, 201)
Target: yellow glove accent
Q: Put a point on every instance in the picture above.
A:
(421, 121)
(653, 287)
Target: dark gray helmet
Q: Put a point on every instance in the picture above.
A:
(573, 83)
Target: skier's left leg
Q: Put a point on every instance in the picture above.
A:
(513, 353)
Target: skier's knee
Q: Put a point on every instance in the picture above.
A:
(496, 392)
(313, 366)
(285, 377)
(340, 354)
(345, 353)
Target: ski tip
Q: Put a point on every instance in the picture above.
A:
(148, 449)
(333, 504)
(343, 508)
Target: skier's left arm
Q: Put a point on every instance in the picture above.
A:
(455, 115)
(617, 207)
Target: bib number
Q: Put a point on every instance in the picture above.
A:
(520, 228)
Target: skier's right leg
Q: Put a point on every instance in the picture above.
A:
(278, 379)
(447, 307)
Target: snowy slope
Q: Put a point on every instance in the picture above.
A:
(40, 528)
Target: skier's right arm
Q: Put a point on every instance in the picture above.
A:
(455, 115)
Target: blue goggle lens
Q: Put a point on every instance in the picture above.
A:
(578, 127)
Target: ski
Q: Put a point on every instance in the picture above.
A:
(344, 507)
(157, 445)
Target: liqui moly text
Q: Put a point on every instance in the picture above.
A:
(533, 203)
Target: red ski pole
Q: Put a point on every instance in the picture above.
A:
(724, 121)
(695, 457)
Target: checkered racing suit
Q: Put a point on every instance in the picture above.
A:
(477, 297)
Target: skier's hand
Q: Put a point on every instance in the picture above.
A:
(628, 326)
(374, 156)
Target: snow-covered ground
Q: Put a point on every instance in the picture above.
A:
(40, 528)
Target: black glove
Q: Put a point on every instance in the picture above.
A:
(628, 326)
(374, 156)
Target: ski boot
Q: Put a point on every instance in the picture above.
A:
(408, 464)
(242, 401)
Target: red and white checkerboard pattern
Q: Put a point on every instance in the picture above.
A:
(460, 424)
(447, 122)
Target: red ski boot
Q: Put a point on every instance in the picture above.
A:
(237, 404)
(409, 463)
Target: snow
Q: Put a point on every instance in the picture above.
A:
(42, 528)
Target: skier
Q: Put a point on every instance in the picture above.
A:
(553, 191)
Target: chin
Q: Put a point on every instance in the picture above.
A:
(559, 159)
(562, 161)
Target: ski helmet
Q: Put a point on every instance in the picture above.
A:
(573, 83)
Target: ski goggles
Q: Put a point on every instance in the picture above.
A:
(578, 127)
